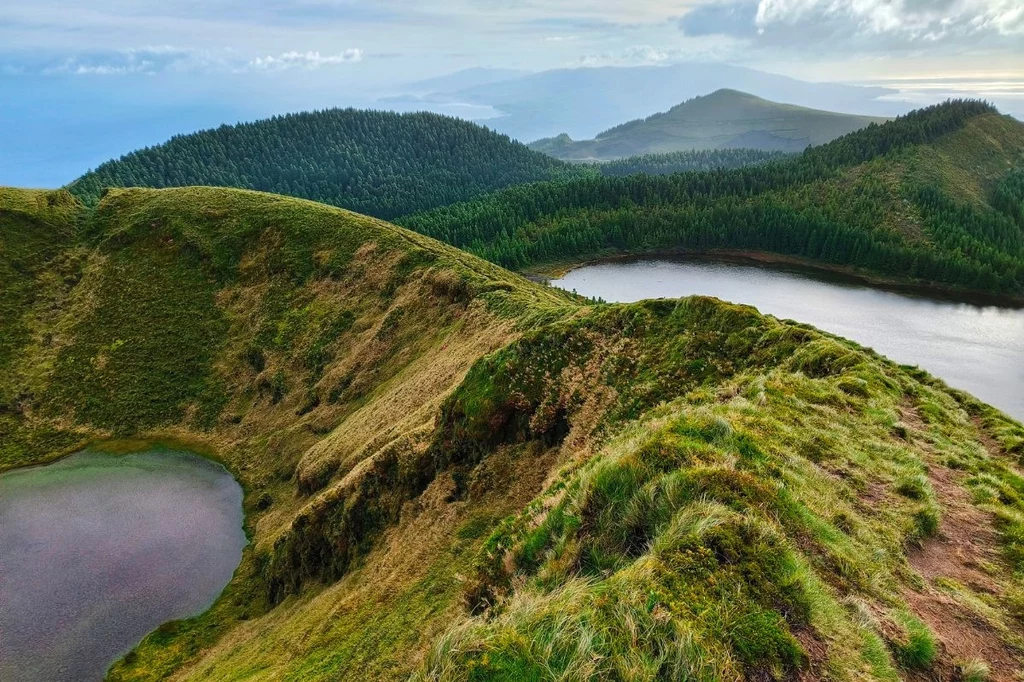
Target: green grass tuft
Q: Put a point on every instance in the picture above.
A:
(917, 648)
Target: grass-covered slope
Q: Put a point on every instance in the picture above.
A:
(193, 306)
(724, 119)
(932, 197)
(379, 163)
(452, 473)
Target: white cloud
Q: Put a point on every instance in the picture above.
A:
(311, 59)
(699, 49)
(146, 60)
(909, 20)
(163, 59)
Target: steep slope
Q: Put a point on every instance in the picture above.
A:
(932, 197)
(457, 474)
(379, 163)
(725, 119)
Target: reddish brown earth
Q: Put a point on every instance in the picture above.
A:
(966, 544)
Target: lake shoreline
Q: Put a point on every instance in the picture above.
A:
(973, 344)
(804, 266)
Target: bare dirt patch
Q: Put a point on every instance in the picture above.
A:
(966, 541)
(966, 538)
(994, 447)
(817, 656)
(965, 550)
(963, 637)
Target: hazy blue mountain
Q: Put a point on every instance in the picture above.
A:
(725, 119)
(585, 101)
(462, 80)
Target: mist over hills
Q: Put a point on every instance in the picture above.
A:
(462, 80)
(724, 119)
(582, 102)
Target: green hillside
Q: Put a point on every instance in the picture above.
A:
(933, 197)
(687, 161)
(725, 119)
(453, 473)
(379, 163)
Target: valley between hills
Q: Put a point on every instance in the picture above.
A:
(454, 473)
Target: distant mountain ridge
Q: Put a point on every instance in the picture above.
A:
(724, 119)
(584, 101)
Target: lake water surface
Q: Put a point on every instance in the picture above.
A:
(978, 348)
(98, 550)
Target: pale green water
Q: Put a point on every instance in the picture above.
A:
(98, 550)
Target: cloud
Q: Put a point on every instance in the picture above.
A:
(309, 60)
(848, 27)
(735, 18)
(703, 49)
(147, 60)
(892, 23)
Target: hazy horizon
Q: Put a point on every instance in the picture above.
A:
(81, 86)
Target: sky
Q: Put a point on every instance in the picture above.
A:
(103, 78)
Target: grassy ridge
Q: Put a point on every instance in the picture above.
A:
(456, 474)
(763, 524)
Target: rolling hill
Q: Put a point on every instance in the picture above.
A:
(378, 163)
(932, 197)
(452, 473)
(725, 119)
(381, 164)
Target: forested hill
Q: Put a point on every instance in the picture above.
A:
(724, 119)
(685, 161)
(379, 163)
(934, 196)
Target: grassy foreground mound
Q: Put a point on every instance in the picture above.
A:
(452, 473)
(933, 197)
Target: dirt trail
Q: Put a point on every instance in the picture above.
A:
(966, 543)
